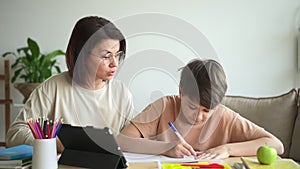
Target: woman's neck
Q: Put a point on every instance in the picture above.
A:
(93, 86)
(99, 84)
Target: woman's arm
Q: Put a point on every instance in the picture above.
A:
(35, 107)
(19, 132)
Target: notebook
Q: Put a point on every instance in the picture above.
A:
(90, 147)
(16, 162)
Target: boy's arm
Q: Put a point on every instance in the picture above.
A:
(246, 148)
(130, 137)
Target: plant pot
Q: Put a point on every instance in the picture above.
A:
(26, 89)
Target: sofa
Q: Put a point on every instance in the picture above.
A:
(278, 115)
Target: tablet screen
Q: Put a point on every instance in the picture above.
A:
(89, 139)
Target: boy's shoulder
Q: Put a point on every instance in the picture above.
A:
(226, 113)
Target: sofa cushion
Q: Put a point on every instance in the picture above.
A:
(295, 147)
(276, 114)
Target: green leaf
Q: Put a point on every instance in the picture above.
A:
(57, 69)
(14, 78)
(34, 48)
(13, 66)
(54, 54)
(17, 73)
(47, 73)
(24, 51)
(8, 53)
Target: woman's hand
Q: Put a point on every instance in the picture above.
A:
(180, 150)
(220, 152)
(60, 147)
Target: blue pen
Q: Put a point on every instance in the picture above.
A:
(176, 131)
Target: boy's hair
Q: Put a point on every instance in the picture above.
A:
(203, 81)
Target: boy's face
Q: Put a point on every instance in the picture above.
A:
(193, 112)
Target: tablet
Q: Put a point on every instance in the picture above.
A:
(90, 147)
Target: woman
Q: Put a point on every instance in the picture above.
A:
(87, 94)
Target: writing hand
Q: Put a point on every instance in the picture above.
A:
(181, 150)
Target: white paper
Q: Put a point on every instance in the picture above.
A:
(135, 157)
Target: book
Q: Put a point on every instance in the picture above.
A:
(28, 166)
(16, 162)
(16, 152)
(279, 163)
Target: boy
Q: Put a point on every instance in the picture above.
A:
(209, 129)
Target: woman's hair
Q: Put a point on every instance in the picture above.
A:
(87, 32)
(203, 81)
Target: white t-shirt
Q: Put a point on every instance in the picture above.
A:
(60, 97)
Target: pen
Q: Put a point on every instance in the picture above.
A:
(244, 163)
(176, 131)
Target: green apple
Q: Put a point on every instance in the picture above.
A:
(266, 154)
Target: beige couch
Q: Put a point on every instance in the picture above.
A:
(279, 115)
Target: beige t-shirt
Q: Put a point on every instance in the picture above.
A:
(223, 126)
(59, 97)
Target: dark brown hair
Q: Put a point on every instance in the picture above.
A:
(87, 32)
(203, 81)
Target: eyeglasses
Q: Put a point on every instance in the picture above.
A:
(108, 57)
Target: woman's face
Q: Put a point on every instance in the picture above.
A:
(102, 61)
(192, 112)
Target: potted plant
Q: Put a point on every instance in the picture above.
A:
(32, 66)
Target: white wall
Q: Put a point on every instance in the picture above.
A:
(254, 40)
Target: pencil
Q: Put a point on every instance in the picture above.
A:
(37, 130)
(58, 129)
(29, 122)
(244, 163)
(48, 129)
(42, 124)
(53, 129)
(40, 129)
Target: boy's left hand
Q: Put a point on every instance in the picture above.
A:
(219, 152)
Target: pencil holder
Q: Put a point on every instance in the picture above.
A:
(44, 154)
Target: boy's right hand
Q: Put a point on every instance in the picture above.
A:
(181, 150)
